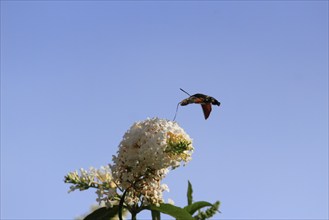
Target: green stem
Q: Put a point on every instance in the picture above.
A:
(155, 215)
(121, 204)
(133, 216)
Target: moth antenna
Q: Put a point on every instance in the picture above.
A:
(176, 111)
(185, 91)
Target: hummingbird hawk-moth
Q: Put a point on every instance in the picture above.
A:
(204, 100)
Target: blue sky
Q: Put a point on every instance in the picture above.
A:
(76, 75)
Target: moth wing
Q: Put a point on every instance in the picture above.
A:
(206, 110)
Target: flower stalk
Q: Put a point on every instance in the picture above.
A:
(147, 152)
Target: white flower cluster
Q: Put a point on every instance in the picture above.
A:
(90, 178)
(148, 149)
(146, 153)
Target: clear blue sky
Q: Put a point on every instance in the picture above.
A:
(75, 76)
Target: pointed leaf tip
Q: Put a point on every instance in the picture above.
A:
(189, 193)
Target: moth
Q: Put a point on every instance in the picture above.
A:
(204, 100)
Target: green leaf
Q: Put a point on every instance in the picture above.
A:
(189, 193)
(196, 206)
(103, 213)
(174, 211)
